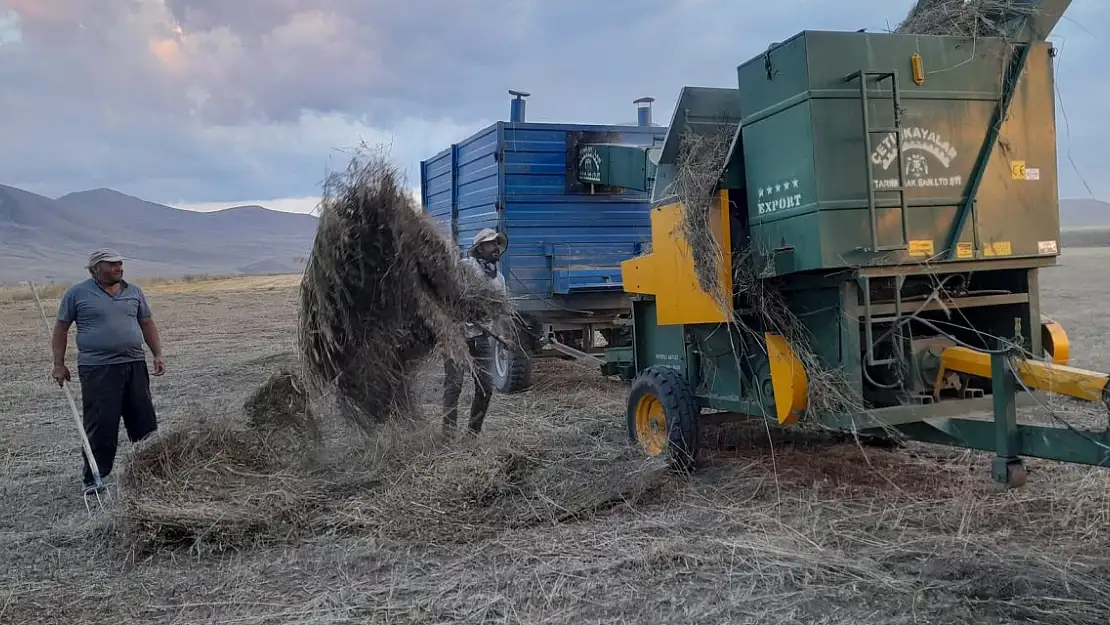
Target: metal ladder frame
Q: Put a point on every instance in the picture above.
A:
(896, 130)
(869, 321)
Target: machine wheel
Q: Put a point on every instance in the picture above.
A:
(663, 415)
(511, 369)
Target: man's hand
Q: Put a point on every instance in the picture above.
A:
(150, 335)
(61, 374)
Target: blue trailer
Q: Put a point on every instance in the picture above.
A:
(546, 186)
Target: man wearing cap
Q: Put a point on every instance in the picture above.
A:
(483, 257)
(113, 322)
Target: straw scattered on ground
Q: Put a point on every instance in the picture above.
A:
(281, 407)
(207, 484)
(220, 486)
(547, 513)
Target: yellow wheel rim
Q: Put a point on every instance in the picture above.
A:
(651, 425)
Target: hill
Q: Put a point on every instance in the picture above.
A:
(1084, 223)
(1077, 213)
(48, 239)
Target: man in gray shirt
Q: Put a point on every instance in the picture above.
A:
(113, 321)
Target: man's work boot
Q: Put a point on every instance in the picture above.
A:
(450, 421)
(476, 421)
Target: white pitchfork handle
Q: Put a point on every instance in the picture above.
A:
(69, 396)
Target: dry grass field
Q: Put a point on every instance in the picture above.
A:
(546, 519)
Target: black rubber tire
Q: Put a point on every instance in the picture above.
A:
(680, 410)
(514, 373)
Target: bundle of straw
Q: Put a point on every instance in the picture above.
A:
(382, 290)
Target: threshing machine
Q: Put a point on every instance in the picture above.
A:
(899, 195)
(545, 185)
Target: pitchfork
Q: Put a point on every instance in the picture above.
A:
(98, 486)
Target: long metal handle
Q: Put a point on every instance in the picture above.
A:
(867, 147)
(69, 396)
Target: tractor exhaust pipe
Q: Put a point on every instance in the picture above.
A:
(516, 106)
(643, 111)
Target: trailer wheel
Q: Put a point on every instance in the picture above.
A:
(663, 415)
(511, 369)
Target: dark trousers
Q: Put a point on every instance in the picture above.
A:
(482, 353)
(109, 392)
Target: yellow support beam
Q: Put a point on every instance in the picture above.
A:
(1036, 375)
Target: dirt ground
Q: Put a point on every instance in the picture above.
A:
(782, 531)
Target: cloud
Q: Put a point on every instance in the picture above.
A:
(193, 102)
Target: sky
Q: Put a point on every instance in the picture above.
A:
(205, 104)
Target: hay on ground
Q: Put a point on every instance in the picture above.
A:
(383, 290)
(546, 477)
(218, 487)
(280, 406)
(211, 484)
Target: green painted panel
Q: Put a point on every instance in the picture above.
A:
(807, 164)
(655, 344)
(719, 351)
(820, 311)
(782, 178)
(626, 166)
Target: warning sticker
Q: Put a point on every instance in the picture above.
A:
(1000, 248)
(1047, 247)
(921, 247)
(1017, 170)
(964, 250)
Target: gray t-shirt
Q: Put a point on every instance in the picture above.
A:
(108, 329)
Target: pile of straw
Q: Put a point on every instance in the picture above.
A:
(280, 406)
(220, 487)
(207, 484)
(966, 18)
(382, 290)
(537, 475)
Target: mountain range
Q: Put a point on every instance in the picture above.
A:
(46, 239)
